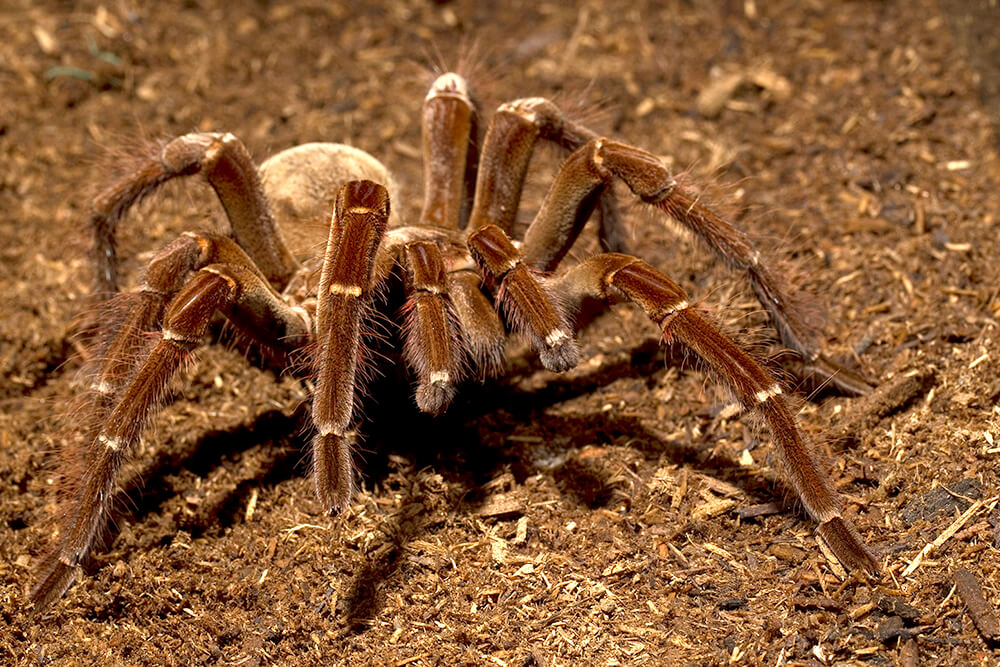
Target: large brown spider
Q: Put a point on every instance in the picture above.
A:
(458, 267)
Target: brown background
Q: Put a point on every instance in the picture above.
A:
(857, 148)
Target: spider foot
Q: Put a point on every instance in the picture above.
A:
(333, 473)
(847, 545)
(53, 581)
(435, 396)
(561, 351)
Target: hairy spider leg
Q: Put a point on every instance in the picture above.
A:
(432, 343)
(528, 304)
(240, 293)
(507, 148)
(227, 166)
(512, 134)
(130, 316)
(345, 289)
(450, 163)
(781, 303)
(614, 277)
(481, 328)
(590, 168)
(510, 140)
(450, 158)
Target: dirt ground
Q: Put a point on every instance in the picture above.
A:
(606, 516)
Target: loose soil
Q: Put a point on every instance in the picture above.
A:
(610, 515)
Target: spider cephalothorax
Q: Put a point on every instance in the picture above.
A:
(466, 283)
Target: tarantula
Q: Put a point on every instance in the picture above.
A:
(463, 276)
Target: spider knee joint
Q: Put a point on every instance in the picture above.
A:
(179, 339)
(331, 429)
(536, 111)
(346, 290)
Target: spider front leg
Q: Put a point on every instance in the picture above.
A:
(614, 277)
(238, 291)
(360, 218)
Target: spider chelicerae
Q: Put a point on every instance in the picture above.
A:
(466, 283)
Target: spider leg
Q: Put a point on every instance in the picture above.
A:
(133, 314)
(245, 298)
(480, 331)
(227, 166)
(362, 211)
(433, 344)
(449, 127)
(479, 323)
(587, 171)
(528, 303)
(510, 140)
(614, 277)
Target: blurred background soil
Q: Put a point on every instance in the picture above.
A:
(617, 514)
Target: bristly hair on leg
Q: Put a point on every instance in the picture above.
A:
(139, 172)
(420, 363)
(96, 395)
(785, 303)
(470, 62)
(567, 351)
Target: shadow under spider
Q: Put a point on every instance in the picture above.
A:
(145, 494)
(481, 413)
(483, 416)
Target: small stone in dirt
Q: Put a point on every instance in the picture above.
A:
(958, 496)
(897, 607)
(732, 603)
(607, 606)
(786, 552)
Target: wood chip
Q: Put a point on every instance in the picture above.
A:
(714, 96)
(772, 82)
(887, 399)
(754, 511)
(501, 504)
(712, 509)
(981, 612)
(46, 41)
(521, 532)
(680, 491)
(252, 504)
(863, 610)
(946, 535)
(909, 654)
